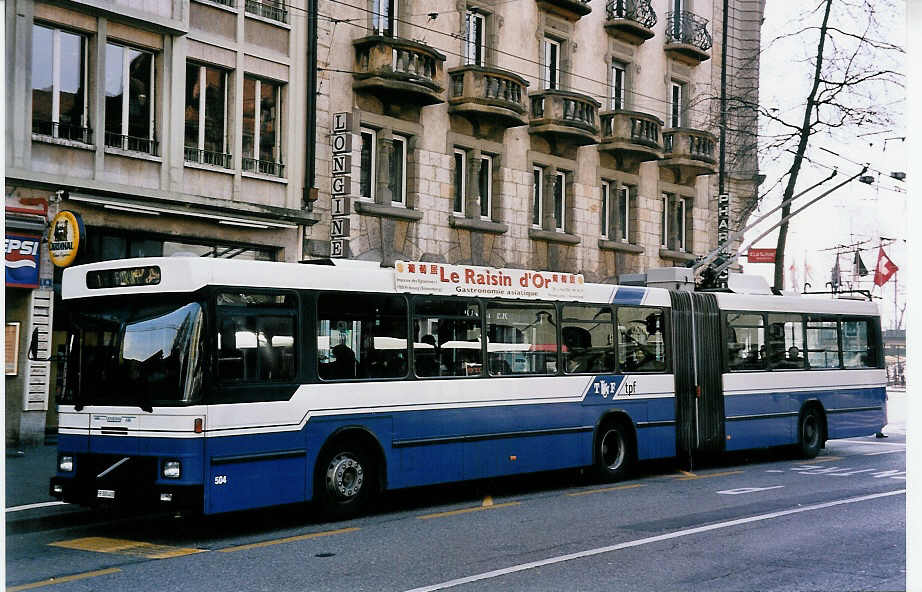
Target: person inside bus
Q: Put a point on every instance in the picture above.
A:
(343, 366)
(794, 355)
(427, 359)
(577, 341)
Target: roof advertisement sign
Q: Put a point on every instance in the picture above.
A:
(492, 282)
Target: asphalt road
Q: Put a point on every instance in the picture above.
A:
(762, 521)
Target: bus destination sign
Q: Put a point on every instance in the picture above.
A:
(471, 280)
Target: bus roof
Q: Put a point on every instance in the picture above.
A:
(188, 274)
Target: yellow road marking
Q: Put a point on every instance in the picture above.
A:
(821, 459)
(487, 501)
(709, 475)
(125, 547)
(64, 579)
(604, 489)
(467, 510)
(687, 474)
(291, 539)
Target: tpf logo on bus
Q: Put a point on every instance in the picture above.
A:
(611, 386)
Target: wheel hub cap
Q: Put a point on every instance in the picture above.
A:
(345, 476)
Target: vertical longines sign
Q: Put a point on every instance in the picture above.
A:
(340, 184)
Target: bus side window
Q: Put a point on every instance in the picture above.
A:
(256, 337)
(858, 350)
(746, 342)
(786, 341)
(587, 343)
(361, 336)
(641, 344)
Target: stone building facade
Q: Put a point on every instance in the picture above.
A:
(551, 134)
(167, 126)
(570, 135)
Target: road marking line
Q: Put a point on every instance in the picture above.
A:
(467, 510)
(645, 541)
(33, 506)
(291, 539)
(709, 475)
(743, 490)
(821, 459)
(605, 489)
(64, 579)
(487, 501)
(687, 474)
(873, 442)
(125, 547)
(882, 452)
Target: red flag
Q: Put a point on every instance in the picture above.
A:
(885, 268)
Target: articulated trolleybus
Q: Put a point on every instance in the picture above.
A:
(220, 385)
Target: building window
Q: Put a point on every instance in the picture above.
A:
(675, 221)
(607, 187)
(383, 17)
(475, 46)
(623, 214)
(664, 219)
(618, 85)
(460, 181)
(551, 63)
(59, 84)
(368, 155)
(261, 125)
(271, 9)
(206, 116)
(485, 184)
(560, 200)
(537, 197)
(676, 109)
(129, 99)
(399, 171)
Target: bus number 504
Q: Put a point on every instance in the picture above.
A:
(220, 480)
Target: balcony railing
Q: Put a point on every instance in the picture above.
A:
(689, 152)
(399, 67)
(131, 143)
(632, 132)
(565, 113)
(639, 11)
(271, 10)
(264, 167)
(689, 29)
(488, 93)
(65, 131)
(227, 3)
(207, 157)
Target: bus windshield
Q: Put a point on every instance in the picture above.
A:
(135, 355)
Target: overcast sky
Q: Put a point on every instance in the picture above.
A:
(856, 212)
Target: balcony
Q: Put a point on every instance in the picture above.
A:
(687, 38)
(631, 136)
(272, 10)
(572, 10)
(630, 20)
(398, 70)
(564, 115)
(488, 96)
(689, 153)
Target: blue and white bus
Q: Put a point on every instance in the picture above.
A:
(221, 385)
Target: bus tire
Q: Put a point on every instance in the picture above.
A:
(614, 453)
(345, 480)
(810, 432)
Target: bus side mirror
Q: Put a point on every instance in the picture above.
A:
(33, 348)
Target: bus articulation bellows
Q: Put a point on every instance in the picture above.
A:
(220, 385)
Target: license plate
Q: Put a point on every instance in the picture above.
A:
(106, 493)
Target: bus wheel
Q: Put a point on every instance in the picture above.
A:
(345, 480)
(614, 453)
(810, 433)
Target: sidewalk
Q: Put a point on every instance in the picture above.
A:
(27, 476)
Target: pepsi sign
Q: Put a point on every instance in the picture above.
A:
(22, 255)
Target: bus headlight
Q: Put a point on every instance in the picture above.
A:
(172, 469)
(65, 464)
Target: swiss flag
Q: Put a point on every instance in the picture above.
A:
(885, 268)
